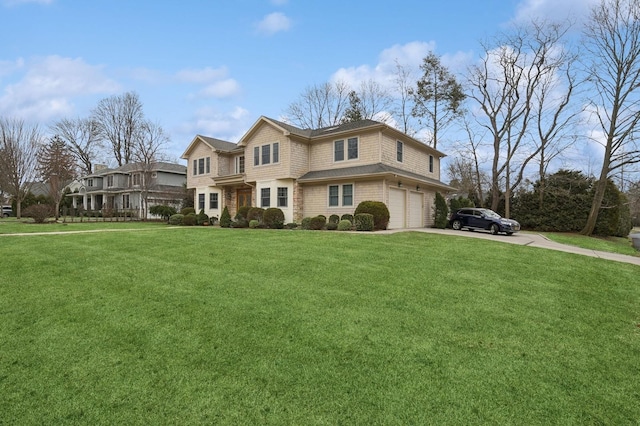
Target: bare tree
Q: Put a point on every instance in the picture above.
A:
(119, 119)
(403, 83)
(147, 152)
(320, 105)
(437, 97)
(57, 167)
(375, 99)
(81, 136)
(19, 144)
(612, 39)
(504, 85)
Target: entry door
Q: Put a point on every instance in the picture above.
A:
(243, 197)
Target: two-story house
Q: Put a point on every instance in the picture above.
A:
(133, 187)
(307, 172)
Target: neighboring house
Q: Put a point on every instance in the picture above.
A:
(133, 187)
(325, 171)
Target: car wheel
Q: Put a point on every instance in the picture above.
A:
(494, 229)
(509, 233)
(457, 225)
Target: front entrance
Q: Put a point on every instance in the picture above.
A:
(243, 198)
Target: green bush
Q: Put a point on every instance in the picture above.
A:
(187, 210)
(345, 225)
(254, 224)
(202, 218)
(38, 212)
(441, 212)
(255, 213)
(379, 211)
(225, 218)
(364, 222)
(306, 223)
(460, 203)
(334, 218)
(176, 219)
(243, 212)
(292, 225)
(348, 217)
(189, 219)
(241, 223)
(317, 223)
(273, 218)
(332, 226)
(163, 211)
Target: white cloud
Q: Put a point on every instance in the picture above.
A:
(227, 125)
(47, 85)
(201, 76)
(274, 23)
(221, 89)
(575, 10)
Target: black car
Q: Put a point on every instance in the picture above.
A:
(473, 218)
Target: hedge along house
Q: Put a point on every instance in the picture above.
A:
(308, 172)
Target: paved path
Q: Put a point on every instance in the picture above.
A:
(531, 240)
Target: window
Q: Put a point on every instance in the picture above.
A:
(276, 152)
(240, 164)
(200, 201)
(89, 182)
(399, 151)
(282, 197)
(136, 179)
(195, 167)
(352, 148)
(208, 165)
(265, 197)
(125, 201)
(109, 180)
(256, 156)
(340, 192)
(213, 201)
(338, 151)
(201, 166)
(266, 154)
(431, 164)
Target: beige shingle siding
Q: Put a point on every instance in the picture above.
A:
(299, 158)
(201, 151)
(415, 158)
(322, 151)
(267, 134)
(316, 197)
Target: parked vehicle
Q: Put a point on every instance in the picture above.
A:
(474, 218)
(6, 211)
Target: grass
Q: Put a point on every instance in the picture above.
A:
(608, 244)
(208, 325)
(12, 225)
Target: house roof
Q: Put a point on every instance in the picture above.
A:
(213, 143)
(370, 170)
(160, 166)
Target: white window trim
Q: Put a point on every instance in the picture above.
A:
(271, 162)
(341, 195)
(400, 143)
(345, 149)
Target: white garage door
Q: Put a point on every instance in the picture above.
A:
(397, 208)
(416, 208)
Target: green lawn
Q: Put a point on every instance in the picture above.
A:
(236, 326)
(609, 244)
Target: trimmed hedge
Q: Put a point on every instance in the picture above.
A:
(348, 217)
(317, 223)
(225, 218)
(176, 219)
(273, 218)
(379, 211)
(344, 225)
(364, 222)
(255, 213)
(190, 219)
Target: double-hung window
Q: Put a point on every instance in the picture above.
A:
(213, 201)
(265, 197)
(431, 164)
(399, 151)
(339, 148)
(276, 152)
(136, 179)
(266, 154)
(200, 201)
(282, 196)
(110, 181)
(341, 195)
(202, 166)
(352, 148)
(240, 164)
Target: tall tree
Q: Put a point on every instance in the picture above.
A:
(19, 144)
(57, 167)
(119, 120)
(403, 83)
(354, 112)
(320, 105)
(437, 97)
(612, 38)
(81, 136)
(148, 150)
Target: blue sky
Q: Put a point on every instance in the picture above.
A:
(213, 67)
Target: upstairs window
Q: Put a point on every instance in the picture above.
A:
(431, 164)
(136, 179)
(276, 152)
(110, 181)
(339, 148)
(240, 164)
(256, 156)
(202, 166)
(338, 151)
(399, 151)
(266, 154)
(352, 148)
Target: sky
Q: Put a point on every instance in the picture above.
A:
(213, 67)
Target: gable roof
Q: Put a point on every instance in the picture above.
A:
(213, 143)
(160, 166)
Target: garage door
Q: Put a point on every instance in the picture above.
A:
(397, 208)
(416, 209)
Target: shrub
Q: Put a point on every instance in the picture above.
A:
(176, 219)
(255, 213)
(459, 203)
(348, 217)
(38, 212)
(163, 211)
(202, 218)
(185, 211)
(254, 224)
(190, 219)
(317, 223)
(292, 225)
(240, 223)
(379, 211)
(243, 212)
(441, 212)
(332, 226)
(225, 218)
(306, 223)
(344, 225)
(273, 218)
(334, 218)
(364, 222)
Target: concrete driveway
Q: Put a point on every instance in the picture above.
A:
(528, 239)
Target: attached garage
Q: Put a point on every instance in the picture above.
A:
(397, 208)
(416, 210)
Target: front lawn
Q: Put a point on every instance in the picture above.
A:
(608, 244)
(236, 326)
